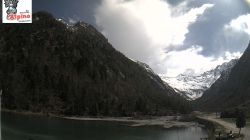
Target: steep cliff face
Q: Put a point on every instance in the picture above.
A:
(50, 67)
(231, 89)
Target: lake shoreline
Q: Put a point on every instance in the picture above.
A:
(161, 121)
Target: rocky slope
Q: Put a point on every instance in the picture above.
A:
(192, 86)
(50, 67)
(231, 89)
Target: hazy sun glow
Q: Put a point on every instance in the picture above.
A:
(248, 1)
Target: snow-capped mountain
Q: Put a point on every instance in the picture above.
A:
(192, 86)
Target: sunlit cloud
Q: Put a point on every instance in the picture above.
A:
(240, 24)
(144, 29)
(248, 2)
(191, 59)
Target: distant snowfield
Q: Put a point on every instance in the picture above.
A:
(192, 86)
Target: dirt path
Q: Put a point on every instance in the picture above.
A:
(227, 125)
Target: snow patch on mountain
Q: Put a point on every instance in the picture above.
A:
(74, 26)
(191, 85)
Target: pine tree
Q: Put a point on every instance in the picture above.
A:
(240, 121)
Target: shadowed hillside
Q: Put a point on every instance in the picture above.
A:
(50, 67)
(231, 89)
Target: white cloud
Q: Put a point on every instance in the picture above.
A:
(143, 29)
(229, 56)
(177, 62)
(240, 24)
(236, 34)
(72, 21)
(160, 25)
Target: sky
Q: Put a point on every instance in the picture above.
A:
(171, 36)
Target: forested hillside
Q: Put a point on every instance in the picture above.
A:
(50, 67)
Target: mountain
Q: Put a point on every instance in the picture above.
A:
(156, 77)
(52, 68)
(231, 90)
(192, 86)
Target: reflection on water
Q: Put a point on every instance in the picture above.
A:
(20, 127)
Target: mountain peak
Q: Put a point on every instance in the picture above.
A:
(192, 86)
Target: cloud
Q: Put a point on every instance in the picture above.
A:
(209, 33)
(236, 33)
(72, 21)
(240, 24)
(144, 29)
(153, 16)
(177, 62)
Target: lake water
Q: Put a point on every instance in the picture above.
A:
(21, 127)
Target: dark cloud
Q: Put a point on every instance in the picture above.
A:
(174, 2)
(78, 9)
